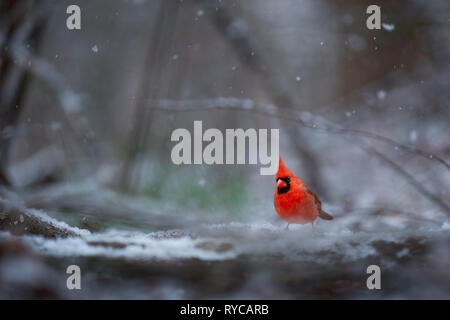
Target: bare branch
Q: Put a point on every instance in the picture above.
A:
(69, 100)
(303, 118)
(416, 184)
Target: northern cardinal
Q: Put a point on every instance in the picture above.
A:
(294, 201)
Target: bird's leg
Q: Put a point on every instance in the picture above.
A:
(287, 227)
(312, 228)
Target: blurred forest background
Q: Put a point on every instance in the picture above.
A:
(86, 117)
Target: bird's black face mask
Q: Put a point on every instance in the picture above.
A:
(286, 186)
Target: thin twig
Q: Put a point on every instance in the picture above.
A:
(69, 101)
(416, 184)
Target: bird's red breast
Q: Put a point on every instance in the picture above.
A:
(293, 200)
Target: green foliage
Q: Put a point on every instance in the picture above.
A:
(211, 192)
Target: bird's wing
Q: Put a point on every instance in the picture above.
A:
(322, 214)
(317, 202)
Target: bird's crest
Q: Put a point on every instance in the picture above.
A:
(283, 171)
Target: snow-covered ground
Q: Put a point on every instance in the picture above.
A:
(333, 255)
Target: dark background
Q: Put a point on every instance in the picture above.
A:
(85, 124)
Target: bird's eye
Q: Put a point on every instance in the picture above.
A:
(288, 179)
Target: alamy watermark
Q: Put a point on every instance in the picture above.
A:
(374, 20)
(236, 147)
(73, 21)
(74, 280)
(374, 280)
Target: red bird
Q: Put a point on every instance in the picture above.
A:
(294, 201)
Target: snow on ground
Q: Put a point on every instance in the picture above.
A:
(338, 240)
(236, 260)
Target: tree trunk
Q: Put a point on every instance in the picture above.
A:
(21, 23)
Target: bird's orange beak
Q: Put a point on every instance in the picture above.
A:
(281, 184)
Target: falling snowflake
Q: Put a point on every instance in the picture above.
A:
(413, 135)
(388, 26)
(381, 94)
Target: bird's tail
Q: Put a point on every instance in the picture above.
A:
(325, 216)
